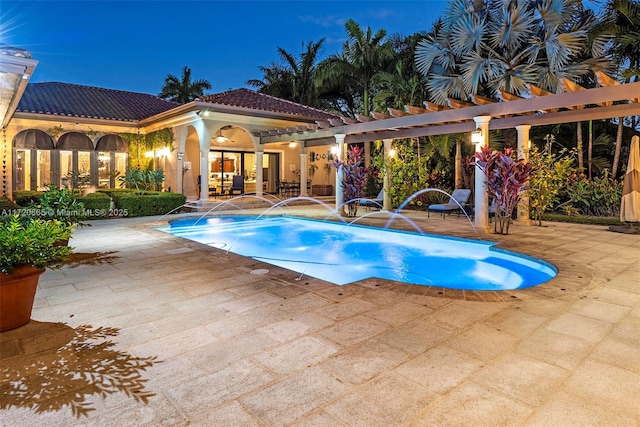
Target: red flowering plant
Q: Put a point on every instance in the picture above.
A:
(506, 179)
(354, 177)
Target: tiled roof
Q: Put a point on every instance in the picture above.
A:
(246, 98)
(71, 100)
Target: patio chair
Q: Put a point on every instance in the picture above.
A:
(460, 195)
(237, 185)
(374, 203)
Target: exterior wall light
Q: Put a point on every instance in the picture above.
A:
(476, 136)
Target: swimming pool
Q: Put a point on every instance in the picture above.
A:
(341, 254)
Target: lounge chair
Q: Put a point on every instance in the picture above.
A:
(461, 196)
(492, 209)
(237, 185)
(374, 203)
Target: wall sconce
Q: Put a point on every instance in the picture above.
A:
(392, 153)
(293, 144)
(163, 152)
(335, 150)
(180, 155)
(476, 137)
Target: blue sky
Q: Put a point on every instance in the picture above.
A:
(133, 45)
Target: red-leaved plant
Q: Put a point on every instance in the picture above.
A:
(506, 180)
(354, 177)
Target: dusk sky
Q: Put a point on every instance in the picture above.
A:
(133, 45)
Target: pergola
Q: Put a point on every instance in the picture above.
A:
(573, 104)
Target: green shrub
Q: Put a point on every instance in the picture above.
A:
(597, 197)
(96, 205)
(151, 203)
(7, 205)
(595, 220)
(25, 198)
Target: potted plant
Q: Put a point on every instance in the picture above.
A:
(26, 249)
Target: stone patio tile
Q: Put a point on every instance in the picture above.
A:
(427, 301)
(400, 313)
(174, 370)
(615, 388)
(158, 412)
(296, 355)
(363, 361)
(168, 346)
(483, 341)
(346, 308)
(575, 325)
(221, 353)
(171, 296)
(473, 405)
(231, 326)
(232, 414)
(288, 400)
(623, 354)
(251, 302)
(616, 296)
(300, 303)
(134, 317)
(294, 327)
(203, 301)
(80, 295)
(555, 348)
(319, 419)
(627, 281)
(389, 400)
(601, 310)
(627, 329)
(354, 330)
(219, 388)
(521, 377)
(457, 315)
(515, 321)
(440, 369)
(416, 336)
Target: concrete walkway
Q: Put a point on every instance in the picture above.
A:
(144, 328)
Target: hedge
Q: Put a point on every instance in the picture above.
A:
(150, 203)
(6, 204)
(25, 197)
(96, 205)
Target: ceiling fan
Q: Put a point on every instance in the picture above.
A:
(220, 138)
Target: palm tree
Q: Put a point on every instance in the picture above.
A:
(296, 79)
(183, 90)
(363, 55)
(491, 45)
(621, 19)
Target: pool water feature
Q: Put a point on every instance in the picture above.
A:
(342, 254)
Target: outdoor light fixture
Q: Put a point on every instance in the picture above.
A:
(476, 136)
(335, 150)
(392, 153)
(163, 152)
(293, 144)
(221, 139)
(148, 154)
(180, 154)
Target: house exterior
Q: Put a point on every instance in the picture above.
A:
(63, 133)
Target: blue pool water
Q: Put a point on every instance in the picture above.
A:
(341, 254)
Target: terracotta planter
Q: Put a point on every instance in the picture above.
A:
(17, 292)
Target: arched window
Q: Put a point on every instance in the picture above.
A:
(76, 153)
(32, 169)
(113, 153)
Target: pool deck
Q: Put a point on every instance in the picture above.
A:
(184, 334)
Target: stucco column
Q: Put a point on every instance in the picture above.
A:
(386, 183)
(204, 176)
(304, 169)
(481, 197)
(459, 183)
(524, 144)
(339, 173)
(367, 154)
(259, 170)
(182, 141)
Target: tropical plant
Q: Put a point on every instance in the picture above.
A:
(60, 204)
(549, 175)
(34, 243)
(506, 181)
(480, 47)
(363, 55)
(295, 80)
(598, 197)
(354, 177)
(142, 180)
(183, 89)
